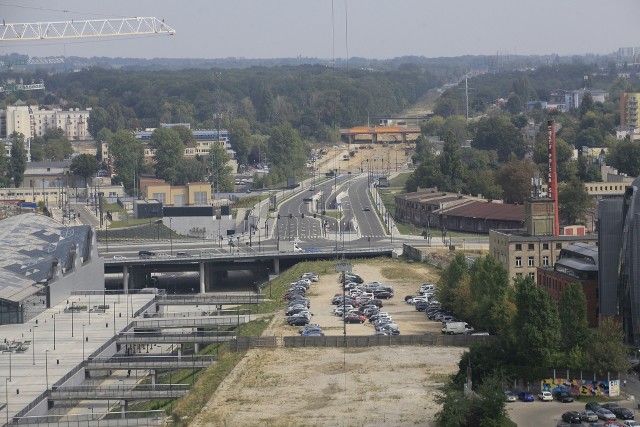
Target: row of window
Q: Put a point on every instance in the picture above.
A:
(531, 275)
(607, 188)
(531, 246)
(531, 261)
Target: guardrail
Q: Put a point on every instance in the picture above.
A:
(187, 314)
(175, 338)
(147, 391)
(383, 340)
(213, 299)
(191, 322)
(135, 418)
(150, 362)
(249, 255)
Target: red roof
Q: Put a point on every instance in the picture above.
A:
(498, 211)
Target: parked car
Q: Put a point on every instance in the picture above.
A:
(299, 321)
(589, 416)
(631, 423)
(545, 396)
(563, 396)
(312, 332)
(421, 306)
(622, 413)
(183, 254)
(592, 406)
(119, 258)
(572, 417)
(146, 254)
(525, 396)
(509, 396)
(605, 414)
(388, 332)
(353, 318)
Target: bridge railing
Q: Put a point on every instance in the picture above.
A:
(211, 299)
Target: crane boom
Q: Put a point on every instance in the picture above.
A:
(87, 28)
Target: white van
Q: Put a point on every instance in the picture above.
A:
(454, 328)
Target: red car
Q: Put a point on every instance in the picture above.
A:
(354, 318)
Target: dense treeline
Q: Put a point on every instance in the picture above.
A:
(534, 333)
(312, 98)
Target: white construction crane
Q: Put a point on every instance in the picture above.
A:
(87, 28)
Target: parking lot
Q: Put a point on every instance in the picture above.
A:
(410, 321)
(529, 414)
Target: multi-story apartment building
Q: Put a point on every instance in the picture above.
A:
(629, 117)
(31, 121)
(522, 251)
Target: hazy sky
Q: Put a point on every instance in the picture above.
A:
(375, 28)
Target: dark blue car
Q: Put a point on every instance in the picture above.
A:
(526, 396)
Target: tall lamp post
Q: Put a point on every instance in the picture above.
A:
(33, 342)
(171, 235)
(46, 367)
(10, 354)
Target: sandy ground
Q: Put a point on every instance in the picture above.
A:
(382, 386)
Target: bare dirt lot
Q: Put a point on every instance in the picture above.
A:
(393, 386)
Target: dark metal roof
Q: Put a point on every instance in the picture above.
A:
(581, 250)
(32, 247)
(487, 210)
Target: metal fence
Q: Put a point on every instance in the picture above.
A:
(245, 343)
(133, 418)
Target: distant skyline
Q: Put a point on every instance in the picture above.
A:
(376, 29)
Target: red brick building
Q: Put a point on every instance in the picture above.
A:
(577, 263)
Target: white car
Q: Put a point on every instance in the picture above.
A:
(631, 423)
(545, 396)
(119, 258)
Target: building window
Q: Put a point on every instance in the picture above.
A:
(519, 275)
(199, 197)
(558, 245)
(545, 260)
(518, 247)
(518, 261)
(530, 247)
(532, 261)
(159, 197)
(545, 246)
(532, 275)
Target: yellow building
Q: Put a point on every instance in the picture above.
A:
(192, 194)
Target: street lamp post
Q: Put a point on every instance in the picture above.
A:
(54, 331)
(171, 235)
(10, 354)
(46, 367)
(6, 397)
(83, 342)
(72, 310)
(33, 342)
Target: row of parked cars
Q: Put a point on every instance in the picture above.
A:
(298, 311)
(362, 301)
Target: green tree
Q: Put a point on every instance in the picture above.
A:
(4, 168)
(515, 180)
(586, 104)
(169, 153)
(85, 165)
(220, 170)
(128, 155)
(240, 138)
(490, 305)
(536, 324)
(574, 201)
(574, 328)
(18, 160)
(565, 165)
(286, 152)
(625, 156)
(191, 170)
(98, 120)
(37, 149)
(432, 126)
(499, 134)
(451, 166)
(450, 279)
(606, 350)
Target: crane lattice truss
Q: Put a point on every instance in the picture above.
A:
(89, 28)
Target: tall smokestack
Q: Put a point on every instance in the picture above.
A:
(553, 177)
